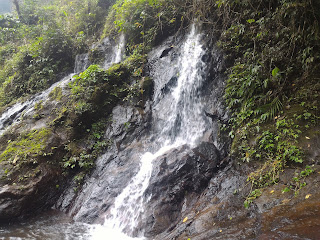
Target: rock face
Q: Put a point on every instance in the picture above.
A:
(218, 213)
(113, 170)
(177, 175)
(29, 182)
(30, 198)
(192, 193)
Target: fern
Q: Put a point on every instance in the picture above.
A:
(270, 110)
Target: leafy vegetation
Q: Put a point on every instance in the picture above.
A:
(84, 160)
(146, 22)
(40, 42)
(272, 90)
(271, 47)
(25, 152)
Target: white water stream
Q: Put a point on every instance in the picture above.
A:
(117, 52)
(15, 113)
(177, 117)
(177, 120)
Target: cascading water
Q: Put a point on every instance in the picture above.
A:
(13, 114)
(177, 120)
(117, 53)
(179, 114)
(81, 63)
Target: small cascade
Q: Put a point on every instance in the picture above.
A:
(13, 114)
(179, 112)
(128, 206)
(81, 63)
(177, 120)
(117, 53)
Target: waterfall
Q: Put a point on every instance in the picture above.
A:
(177, 120)
(117, 52)
(81, 63)
(13, 114)
(178, 114)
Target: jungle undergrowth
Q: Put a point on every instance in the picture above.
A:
(270, 50)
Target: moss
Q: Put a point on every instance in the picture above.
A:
(60, 116)
(96, 56)
(38, 107)
(56, 94)
(147, 87)
(26, 148)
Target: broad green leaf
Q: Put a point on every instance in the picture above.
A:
(275, 72)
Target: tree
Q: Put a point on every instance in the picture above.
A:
(17, 7)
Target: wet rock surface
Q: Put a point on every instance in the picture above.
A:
(176, 175)
(113, 170)
(33, 186)
(29, 197)
(219, 213)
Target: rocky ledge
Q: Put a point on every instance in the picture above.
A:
(178, 176)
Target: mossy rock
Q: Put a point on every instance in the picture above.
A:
(56, 94)
(96, 56)
(147, 87)
(27, 147)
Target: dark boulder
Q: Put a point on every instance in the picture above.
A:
(168, 87)
(166, 51)
(31, 197)
(176, 175)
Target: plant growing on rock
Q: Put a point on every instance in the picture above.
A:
(262, 91)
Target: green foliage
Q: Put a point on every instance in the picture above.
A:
(83, 85)
(27, 148)
(299, 179)
(41, 42)
(84, 159)
(256, 81)
(277, 148)
(96, 87)
(145, 22)
(8, 28)
(271, 49)
(36, 66)
(253, 195)
(126, 9)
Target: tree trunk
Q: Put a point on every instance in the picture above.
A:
(16, 4)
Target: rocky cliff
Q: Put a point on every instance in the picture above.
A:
(191, 137)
